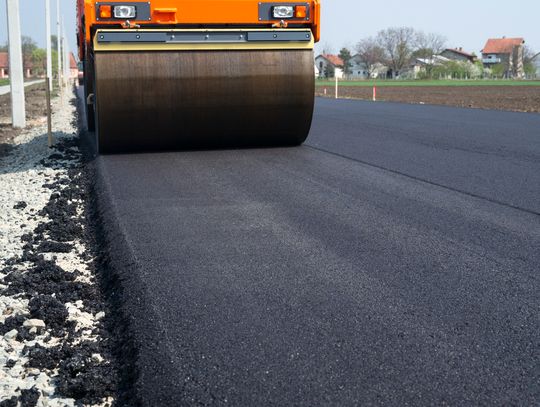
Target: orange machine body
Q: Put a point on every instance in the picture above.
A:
(191, 13)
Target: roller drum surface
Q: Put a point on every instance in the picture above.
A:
(167, 100)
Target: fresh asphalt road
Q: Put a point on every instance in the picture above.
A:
(393, 259)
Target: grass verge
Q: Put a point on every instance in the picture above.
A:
(414, 83)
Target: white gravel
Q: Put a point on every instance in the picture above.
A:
(21, 179)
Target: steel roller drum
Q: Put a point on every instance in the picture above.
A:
(163, 100)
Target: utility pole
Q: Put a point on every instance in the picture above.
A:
(66, 53)
(59, 44)
(48, 41)
(16, 78)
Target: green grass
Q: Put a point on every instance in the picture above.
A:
(4, 82)
(486, 82)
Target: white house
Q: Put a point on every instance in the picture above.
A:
(359, 70)
(330, 66)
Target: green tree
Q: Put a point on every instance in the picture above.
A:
(54, 42)
(329, 71)
(39, 59)
(346, 57)
(28, 46)
(498, 70)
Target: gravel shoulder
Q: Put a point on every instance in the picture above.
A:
(511, 98)
(55, 349)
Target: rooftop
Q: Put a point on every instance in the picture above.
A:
(501, 45)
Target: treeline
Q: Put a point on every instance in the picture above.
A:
(35, 58)
(397, 48)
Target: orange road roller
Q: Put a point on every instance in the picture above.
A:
(183, 74)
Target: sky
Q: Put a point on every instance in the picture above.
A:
(465, 23)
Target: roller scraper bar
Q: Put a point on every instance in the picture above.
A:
(125, 40)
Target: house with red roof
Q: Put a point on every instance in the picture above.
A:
(31, 71)
(505, 51)
(4, 65)
(329, 66)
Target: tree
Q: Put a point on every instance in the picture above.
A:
(54, 42)
(528, 65)
(39, 59)
(428, 45)
(498, 70)
(346, 57)
(28, 46)
(329, 71)
(398, 44)
(370, 53)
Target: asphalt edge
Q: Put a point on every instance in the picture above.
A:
(134, 347)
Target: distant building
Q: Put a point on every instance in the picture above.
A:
(457, 54)
(73, 67)
(31, 71)
(359, 70)
(505, 51)
(4, 65)
(419, 65)
(329, 66)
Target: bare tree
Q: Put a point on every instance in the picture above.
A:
(528, 54)
(398, 44)
(370, 53)
(428, 45)
(528, 65)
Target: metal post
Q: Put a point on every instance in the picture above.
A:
(48, 40)
(59, 44)
(16, 78)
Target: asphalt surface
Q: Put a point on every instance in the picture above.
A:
(392, 260)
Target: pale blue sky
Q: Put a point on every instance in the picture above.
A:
(465, 23)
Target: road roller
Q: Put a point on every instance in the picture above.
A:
(183, 74)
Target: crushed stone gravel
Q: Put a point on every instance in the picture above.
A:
(55, 349)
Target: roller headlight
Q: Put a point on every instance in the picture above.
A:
(283, 11)
(125, 12)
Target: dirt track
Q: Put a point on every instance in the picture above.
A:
(514, 98)
(36, 111)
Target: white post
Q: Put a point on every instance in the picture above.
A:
(66, 54)
(16, 78)
(48, 40)
(336, 86)
(59, 44)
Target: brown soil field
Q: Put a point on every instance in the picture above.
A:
(36, 113)
(514, 98)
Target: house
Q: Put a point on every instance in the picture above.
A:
(359, 69)
(457, 54)
(505, 51)
(73, 67)
(330, 66)
(4, 65)
(31, 71)
(421, 65)
(536, 62)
